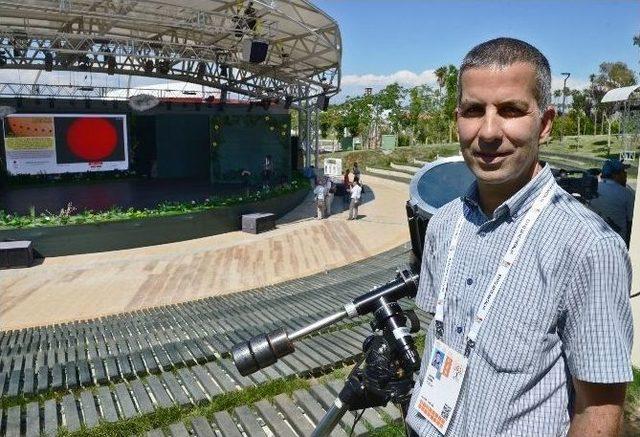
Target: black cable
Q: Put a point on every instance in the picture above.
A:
(356, 419)
(631, 296)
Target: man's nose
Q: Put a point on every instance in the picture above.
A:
(491, 128)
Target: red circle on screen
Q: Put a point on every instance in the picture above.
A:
(92, 139)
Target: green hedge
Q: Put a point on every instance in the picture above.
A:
(67, 216)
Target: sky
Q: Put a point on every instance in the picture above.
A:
(404, 41)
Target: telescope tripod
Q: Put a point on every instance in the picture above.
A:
(390, 355)
(387, 375)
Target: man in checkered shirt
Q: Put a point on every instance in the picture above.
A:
(552, 357)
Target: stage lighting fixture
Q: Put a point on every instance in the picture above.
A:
(163, 67)
(48, 61)
(52, 103)
(148, 66)
(87, 103)
(265, 104)
(143, 102)
(111, 65)
(17, 51)
(224, 70)
(250, 107)
(202, 69)
(287, 102)
(322, 103)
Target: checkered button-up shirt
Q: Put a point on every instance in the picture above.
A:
(562, 312)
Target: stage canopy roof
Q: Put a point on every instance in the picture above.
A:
(619, 94)
(199, 41)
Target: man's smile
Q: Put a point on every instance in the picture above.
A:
(491, 157)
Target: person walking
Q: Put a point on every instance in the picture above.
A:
(356, 192)
(319, 197)
(330, 189)
(346, 194)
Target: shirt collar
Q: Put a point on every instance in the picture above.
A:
(520, 202)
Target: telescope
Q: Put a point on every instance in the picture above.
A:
(390, 358)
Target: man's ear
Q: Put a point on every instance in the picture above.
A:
(547, 123)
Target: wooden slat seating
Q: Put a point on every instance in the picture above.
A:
(179, 355)
(283, 416)
(190, 386)
(123, 347)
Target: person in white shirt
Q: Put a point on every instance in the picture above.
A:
(356, 192)
(328, 199)
(319, 196)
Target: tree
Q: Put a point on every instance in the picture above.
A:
(614, 75)
(441, 76)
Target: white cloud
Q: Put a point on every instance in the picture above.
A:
(405, 78)
(572, 83)
(354, 84)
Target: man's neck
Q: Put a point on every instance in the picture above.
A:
(493, 195)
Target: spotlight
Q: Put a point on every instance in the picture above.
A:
(287, 102)
(201, 70)
(111, 65)
(265, 104)
(322, 103)
(163, 67)
(148, 66)
(224, 70)
(48, 61)
(51, 103)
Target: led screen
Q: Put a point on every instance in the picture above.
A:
(65, 143)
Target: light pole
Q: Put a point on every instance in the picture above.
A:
(564, 98)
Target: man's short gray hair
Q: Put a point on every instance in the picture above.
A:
(503, 52)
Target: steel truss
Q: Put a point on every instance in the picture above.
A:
(171, 40)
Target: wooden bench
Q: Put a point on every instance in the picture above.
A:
(258, 222)
(16, 254)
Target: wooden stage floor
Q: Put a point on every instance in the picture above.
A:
(103, 195)
(86, 286)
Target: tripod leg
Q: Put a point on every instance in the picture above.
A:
(331, 418)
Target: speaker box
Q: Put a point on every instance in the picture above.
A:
(323, 102)
(255, 51)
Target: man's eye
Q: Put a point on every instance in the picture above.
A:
(473, 112)
(511, 112)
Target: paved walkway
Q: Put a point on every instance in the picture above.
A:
(86, 286)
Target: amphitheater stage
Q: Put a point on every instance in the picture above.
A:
(81, 287)
(104, 195)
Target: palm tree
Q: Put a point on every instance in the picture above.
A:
(441, 76)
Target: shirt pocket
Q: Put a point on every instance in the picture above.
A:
(510, 344)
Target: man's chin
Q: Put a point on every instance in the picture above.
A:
(490, 177)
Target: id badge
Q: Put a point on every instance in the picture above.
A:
(441, 385)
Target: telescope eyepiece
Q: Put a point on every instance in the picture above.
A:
(261, 351)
